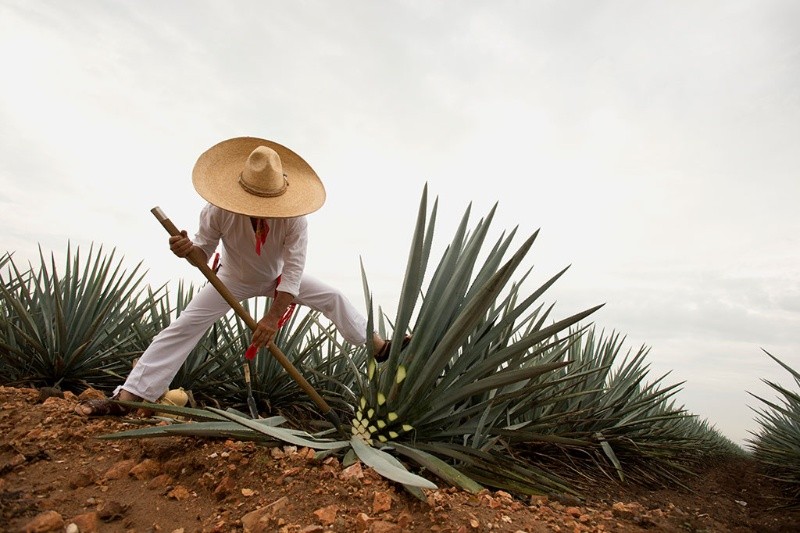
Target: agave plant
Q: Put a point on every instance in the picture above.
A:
(445, 400)
(476, 350)
(777, 444)
(8, 373)
(602, 412)
(72, 329)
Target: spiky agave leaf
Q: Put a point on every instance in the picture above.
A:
(196, 423)
(384, 464)
(217, 423)
(439, 467)
(296, 437)
(189, 413)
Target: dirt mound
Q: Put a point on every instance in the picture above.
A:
(56, 476)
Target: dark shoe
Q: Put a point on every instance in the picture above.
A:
(101, 408)
(383, 353)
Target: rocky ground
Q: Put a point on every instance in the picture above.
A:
(56, 476)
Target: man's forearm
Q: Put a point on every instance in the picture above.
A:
(199, 254)
(281, 301)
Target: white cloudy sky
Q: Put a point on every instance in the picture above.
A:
(654, 144)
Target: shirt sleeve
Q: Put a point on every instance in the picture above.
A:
(294, 255)
(208, 233)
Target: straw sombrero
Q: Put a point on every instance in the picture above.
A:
(259, 178)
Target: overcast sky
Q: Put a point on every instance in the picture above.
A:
(655, 144)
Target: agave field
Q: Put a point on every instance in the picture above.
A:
(494, 389)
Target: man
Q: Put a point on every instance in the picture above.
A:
(259, 193)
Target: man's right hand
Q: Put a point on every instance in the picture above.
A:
(181, 245)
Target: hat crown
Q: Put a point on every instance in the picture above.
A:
(262, 174)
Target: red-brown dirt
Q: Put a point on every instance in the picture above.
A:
(56, 476)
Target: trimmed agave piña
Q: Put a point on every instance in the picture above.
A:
(776, 446)
(477, 347)
(72, 329)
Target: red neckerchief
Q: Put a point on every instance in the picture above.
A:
(262, 230)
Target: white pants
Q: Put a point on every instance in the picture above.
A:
(158, 365)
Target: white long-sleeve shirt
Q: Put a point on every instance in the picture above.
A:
(282, 254)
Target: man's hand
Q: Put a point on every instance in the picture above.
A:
(268, 326)
(265, 331)
(181, 245)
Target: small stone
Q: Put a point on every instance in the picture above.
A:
(258, 520)
(120, 469)
(277, 453)
(382, 526)
(160, 482)
(224, 488)
(312, 529)
(91, 394)
(50, 392)
(405, 520)
(46, 521)
(381, 502)
(327, 515)
(83, 479)
(362, 522)
(626, 511)
(87, 522)
(538, 499)
(354, 471)
(111, 510)
(147, 469)
(179, 493)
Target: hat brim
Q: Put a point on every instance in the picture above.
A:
(216, 178)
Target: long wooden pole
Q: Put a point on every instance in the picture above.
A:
(197, 260)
